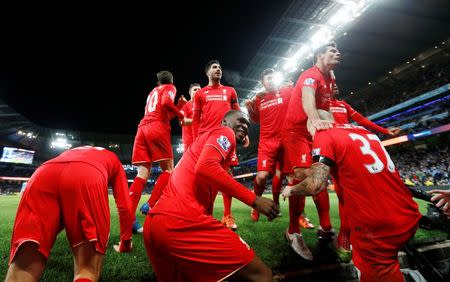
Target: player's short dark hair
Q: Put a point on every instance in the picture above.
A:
(323, 49)
(210, 63)
(193, 85)
(164, 77)
(266, 72)
(233, 112)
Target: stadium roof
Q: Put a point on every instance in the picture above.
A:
(91, 71)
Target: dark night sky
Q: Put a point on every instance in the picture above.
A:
(90, 68)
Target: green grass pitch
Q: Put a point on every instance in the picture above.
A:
(266, 238)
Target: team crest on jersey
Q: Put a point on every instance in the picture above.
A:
(171, 95)
(224, 143)
(316, 152)
(309, 81)
(303, 159)
(225, 97)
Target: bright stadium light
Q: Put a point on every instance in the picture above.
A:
(278, 79)
(342, 17)
(301, 52)
(60, 143)
(322, 36)
(290, 63)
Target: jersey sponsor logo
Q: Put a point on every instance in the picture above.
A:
(224, 143)
(338, 110)
(309, 81)
(215, 97)
(316, 152)
(303, 160)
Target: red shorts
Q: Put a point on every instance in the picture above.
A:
(269, 152)
(71, 195)
(296, 151)
(377, 257)
(152, 143)
(198, 250)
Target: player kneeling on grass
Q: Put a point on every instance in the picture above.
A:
(183, 241)
(372, 189)
(71, 192)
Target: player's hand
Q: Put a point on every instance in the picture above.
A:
(246, 142)
(267, 207)
(286, 192)
(249, 103)
(186, 121)
(442, 197)
(124, 246)
(145, 208)
(394, 131)
(320, 124)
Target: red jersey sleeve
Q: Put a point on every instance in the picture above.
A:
(323, 145)
(211, 163)
(308, 79)
(234, 100)
(198, 105)
(118, 181)
(361, 120)
(168, 98)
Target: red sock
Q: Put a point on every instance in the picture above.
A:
(226, 204)
(160, 184)
(296, 207)
(83, 280)
(276, 188)
(258, 189)
(322, 202)
(136, 191)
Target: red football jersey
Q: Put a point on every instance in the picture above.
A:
(186, 131)
(271, 109)
(377, 202)
(110, 166)
(187, 196)
(341, 111)
(322, 84)
(211, 103)
(154, 109)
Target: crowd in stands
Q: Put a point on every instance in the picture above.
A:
(424, 167)
(417, 83)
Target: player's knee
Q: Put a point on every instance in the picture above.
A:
(262, 273)
(261, 178)
(143, 172)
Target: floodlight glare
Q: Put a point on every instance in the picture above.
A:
(322, 36)
(290, 63)
(278, 79)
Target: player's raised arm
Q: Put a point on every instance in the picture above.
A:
(309, 105)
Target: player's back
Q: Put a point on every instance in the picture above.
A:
(214, 102)
(100, 158)
(371, 185)
(154, 110)
(187, 196)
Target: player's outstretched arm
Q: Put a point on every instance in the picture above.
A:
(209, 168)
(442, 197)
(310, 107)
(313, 184)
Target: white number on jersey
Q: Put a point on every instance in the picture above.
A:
(377, 166)
(152, 100)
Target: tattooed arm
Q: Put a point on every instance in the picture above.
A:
(315, 183)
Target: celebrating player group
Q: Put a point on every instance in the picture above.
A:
(305, 138)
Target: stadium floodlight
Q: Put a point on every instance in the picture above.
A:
(343, 16)
(322, 36)
(60, 143)
(278, 78)
(290, 63)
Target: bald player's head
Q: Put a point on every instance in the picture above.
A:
(239, 122)
(324, 115)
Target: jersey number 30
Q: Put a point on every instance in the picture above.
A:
(377, 166)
